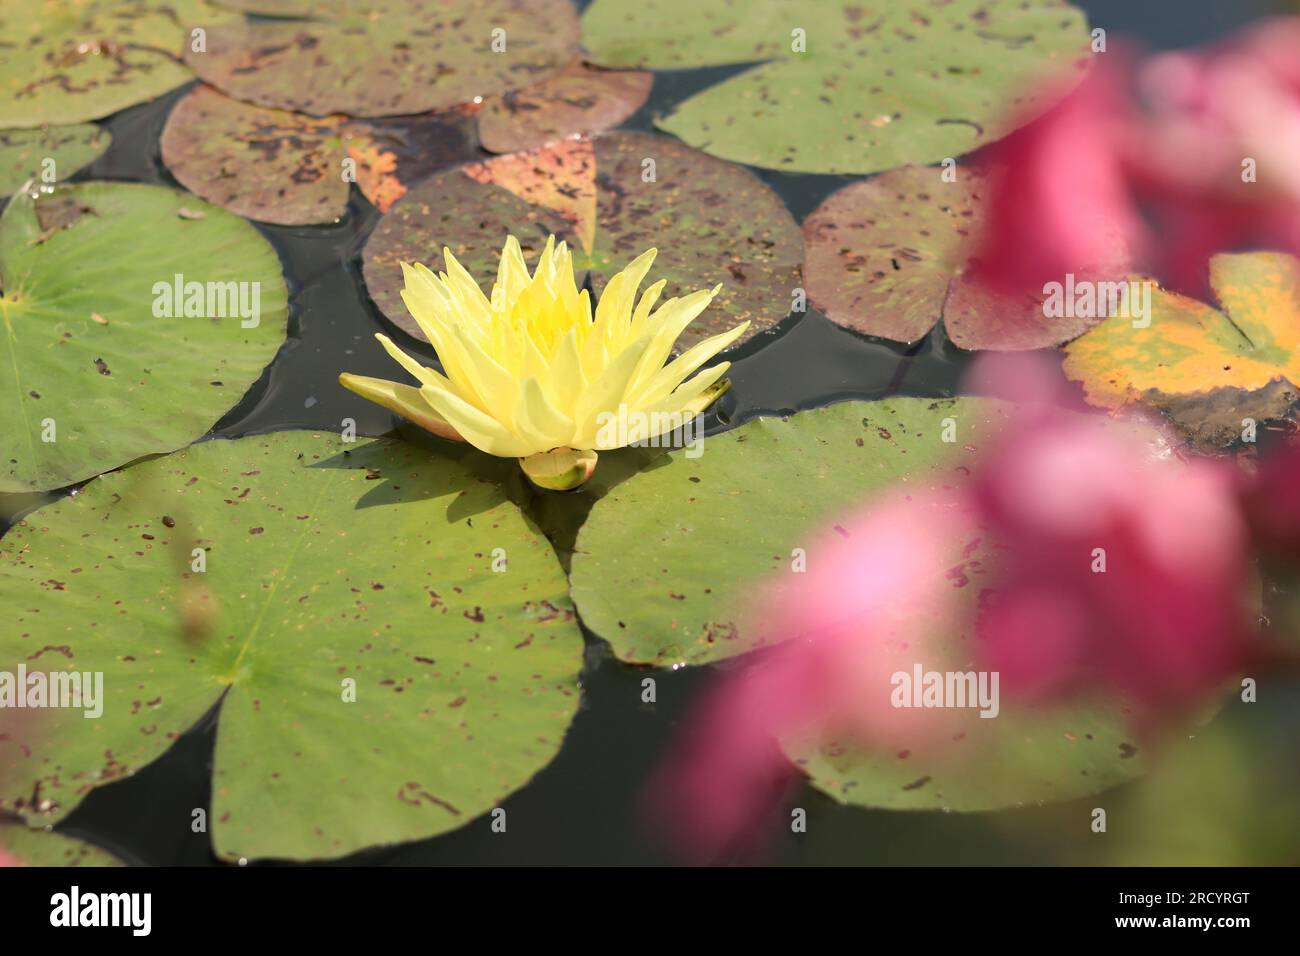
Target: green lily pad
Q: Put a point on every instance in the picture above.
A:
(40, 847)
(711, 221)
(708, 529)
(23, 153)
(886, 257)
(582, 99)
(860, 90)
(331, 567)
(83, 60)
(1023, 758)
(670, 562)
(90, 376)
(1207, 369)
(388, 57)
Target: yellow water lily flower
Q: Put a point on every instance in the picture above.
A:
(532, 373)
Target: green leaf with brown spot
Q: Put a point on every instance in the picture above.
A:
(388, 57)
(885, 257)
(69, 61)
(32, 846)
(99, 365)
(843, 87)
(1020, 758)
(612, 197)
(673, 561)
(709, 528)
(24, 154)
(377, 680)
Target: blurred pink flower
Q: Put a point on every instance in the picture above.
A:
(1271, 503)
(1201, 144)
(1057, 200)
(863, 610)
(1122, 570)
(7, 859)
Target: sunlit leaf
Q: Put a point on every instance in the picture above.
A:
(840, 87)
(99, 363)
(1207, 368)
(387, 57)
(389, 641)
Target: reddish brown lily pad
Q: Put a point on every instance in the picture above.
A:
(388, 57)
(292, 169)
(885, 257)
(392, 155)
(582, 99)
(270, 165)
(712, 222)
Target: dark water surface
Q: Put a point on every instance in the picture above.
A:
(582, 807)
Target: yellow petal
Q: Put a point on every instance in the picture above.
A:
(403, 399)
(682, 367)
(479, 429)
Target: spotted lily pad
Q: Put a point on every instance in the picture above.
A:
(392, 155)
(39, 847)
(646, 576)
(611, 197)
(582, 99)
(388, 57)
(885, 257)
(24, 153)
(754, 494)
(293, 169)
(94, 373)
(270, 165)
(76, 60)
(842, 87)
(1017, 759)
(389, 640)
(1206, 368)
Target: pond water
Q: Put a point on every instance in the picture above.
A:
(581, 809)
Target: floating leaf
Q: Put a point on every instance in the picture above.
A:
(582, 99)
(671, 560)
(885, 258)
(270, 165)
(1205, 368)
(81, 394)
(753, 495)
(290, 168)
(23, 153)
(377, 681)
(392, 155)
(1016, 759)
(710, 220)
(388, 57)
(68, 62)
(39, 847)
(846, 88)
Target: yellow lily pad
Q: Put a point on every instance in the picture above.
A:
(1207, 368)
